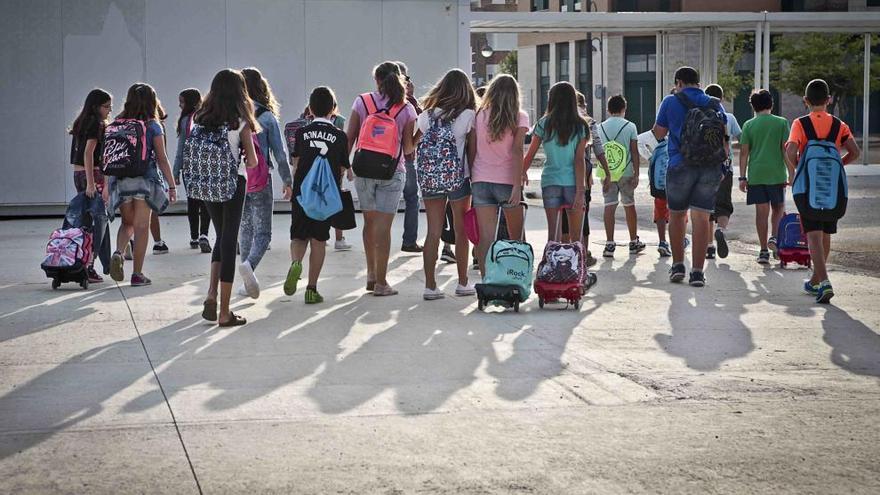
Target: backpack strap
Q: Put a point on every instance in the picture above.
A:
(618, 132)
(369, 103)
(809, 130)
(602, 128)
(395, 110)
(684, 100)
(835, 129)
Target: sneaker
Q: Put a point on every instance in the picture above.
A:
(677, 272)
(242, 291)
(128, 251)
(204, 245)
(312, 296)
(251, 284)
(591, 261)
(139, 280)
(687, 242)
(383, 290)
(465, 290)
(697, 279)
(193, 243)
(824, 292)
(592, 279)
(609, 250)
(636, 246)
(341, 245)
(159, 247)
(810, 289)
(432, 294)
(764, 257)
(411, 248)
(292, 279)
(94, 278)
(710, 253)
(663, 249)
(723, 250)
(773, 246)
(447, 255)
(475, 265)
(117, 272)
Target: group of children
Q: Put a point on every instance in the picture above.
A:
(479, 139)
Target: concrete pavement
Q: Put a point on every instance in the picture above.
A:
(743, 386)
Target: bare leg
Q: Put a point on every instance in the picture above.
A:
(702, 234)
(610, 211)
(778, 211)
(298, 249)
(677, 227)
(487, 219)
(214, 282)
(552, 215)
(762, 211)
(155, 227)
(826, 244)
(370, 244)
(382, 245)
(816, 242)
(514, 217)
(142, 214)
(661, 230)
(631, 221)
(316, 260)
(225, 295)
(462, 246)
(435, 211)
(575, 217)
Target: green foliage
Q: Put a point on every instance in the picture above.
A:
(732, 48)
(509, 64)
(835, 57)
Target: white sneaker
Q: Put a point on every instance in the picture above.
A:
(341, 245)
(251, 285)
(242, 291)
(465, 290)
(432, 294)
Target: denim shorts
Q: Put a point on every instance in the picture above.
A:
(380, 195)
(556, 197)
(462, 192)
(492, 194)
(692, 188)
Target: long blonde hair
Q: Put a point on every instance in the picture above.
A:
(454, 94)
(259, 89)
(502, 102)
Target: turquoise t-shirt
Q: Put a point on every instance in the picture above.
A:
(559, 166)
(624, 132)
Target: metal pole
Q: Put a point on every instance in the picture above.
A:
(759, 37)
(766, 58)
(602, 61)
(866, 99)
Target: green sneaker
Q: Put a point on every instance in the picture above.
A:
(312, 297)
(293, 274)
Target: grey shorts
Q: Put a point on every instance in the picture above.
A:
(380, 195)
(623, 192)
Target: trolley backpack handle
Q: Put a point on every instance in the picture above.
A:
(559, 223)
(522, 236)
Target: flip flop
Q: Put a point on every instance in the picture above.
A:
(209, 312)
(371, 285)
(234, 321)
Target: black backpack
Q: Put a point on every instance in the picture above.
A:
(702, 136)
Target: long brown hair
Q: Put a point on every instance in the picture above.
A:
(227, 102)
(502, 102)
(260, 90)
(142, 103)
(390, 82)
(563, 119)
(89, 115)
(453, 94)
(192, 101)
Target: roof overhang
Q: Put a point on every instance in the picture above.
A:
(565, 22)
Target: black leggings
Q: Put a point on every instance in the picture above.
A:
(226, 217)
(199, 219)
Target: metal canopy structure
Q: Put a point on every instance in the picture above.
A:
(706, 24)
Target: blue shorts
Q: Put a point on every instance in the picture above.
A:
(462, 192)
(692, 187)
(556, 197)
(760, 194)
(492, 194)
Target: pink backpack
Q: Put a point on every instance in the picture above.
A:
(378, 144)
(66, 247)
(257, 177)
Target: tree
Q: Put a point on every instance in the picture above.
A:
(730, 76)
(836, 57)
(509, 64)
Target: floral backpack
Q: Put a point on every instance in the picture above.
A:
(438, 167)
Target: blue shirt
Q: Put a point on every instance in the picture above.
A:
(671, 116)
(271, 143)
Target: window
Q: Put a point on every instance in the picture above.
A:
(492, 70)
(584, 70)
(562, 60)
(815, 5)
(540, 5)
(543, 77)
(570, 5)
(647, 6)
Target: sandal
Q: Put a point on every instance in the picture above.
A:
(371, 285)
(384, 290)
(209, 312)
(234, 321)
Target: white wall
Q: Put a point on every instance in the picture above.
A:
(52, 52)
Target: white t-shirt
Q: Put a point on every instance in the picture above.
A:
(234, 136)
(461, 126)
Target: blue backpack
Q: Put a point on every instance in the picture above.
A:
(819, 188)
(319, 195)
(657, 170)
(510, 263)
(439, 168)
(791, 233)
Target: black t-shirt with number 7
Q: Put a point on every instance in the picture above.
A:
(319, 137)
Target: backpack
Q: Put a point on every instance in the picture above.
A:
(563, 262)
(439, 169)
(210, 170)
(510, 263)
(125, 148)
(378, 145)
(68, 249)
(791, 232)
(657, 170)
(820, 187)
(258, 177)
(319, 194)
(616, 154)
(703, 133)
(290, 129)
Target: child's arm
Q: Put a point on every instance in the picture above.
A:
(162, 159)
(791, 159)
(852, 151)
(471, 148)
(89, 162)
(276, 144)
(743, 165)
(409, 146)
(634, 154)
(352, 130)
(580, 172)
(250, 154)
(518, 142)
(530, 155)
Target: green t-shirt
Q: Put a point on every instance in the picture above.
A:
(624, 132)
(765, 135)
(559, 166)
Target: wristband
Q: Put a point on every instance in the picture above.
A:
(744, 179)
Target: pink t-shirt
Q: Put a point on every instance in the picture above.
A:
(407, 115)
(494, 161)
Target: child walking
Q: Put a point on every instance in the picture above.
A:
(720, 217)
(818, 125)
(320, 138)
(190, 100)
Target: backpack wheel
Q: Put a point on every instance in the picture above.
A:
(577, 304)
(480, 303)
(541, 302)
(56, 284)
(516, 306)
(84, 284)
